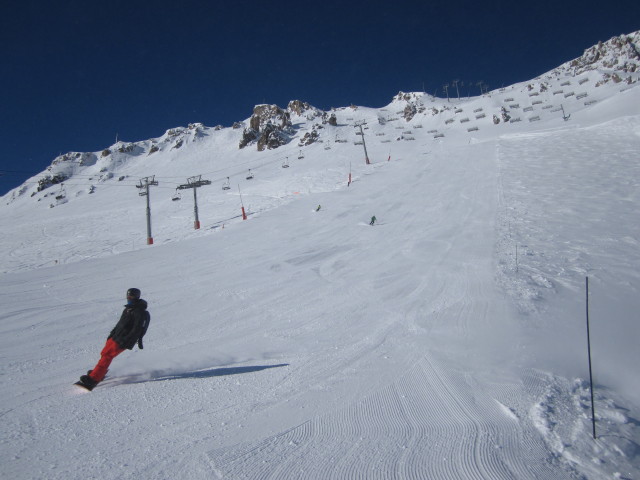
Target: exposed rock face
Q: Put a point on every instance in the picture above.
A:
(49, 180)
(414, 104)
(310, 137)
(248, 136)
(505, 115)
(269, 126)
(126, 147)
(620, 53)
(620, 56)
(298, 107)
(409, 111)
(265, 114)
(272, 137)
(407, 97)
(84, 159)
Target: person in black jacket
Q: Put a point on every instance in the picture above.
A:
(124, 336)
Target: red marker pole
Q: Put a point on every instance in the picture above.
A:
(196, 223)
(244, 215)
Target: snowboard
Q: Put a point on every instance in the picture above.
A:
(85, 385)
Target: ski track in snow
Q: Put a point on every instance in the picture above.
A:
(425, 425)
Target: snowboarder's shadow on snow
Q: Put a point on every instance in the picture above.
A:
(159, 376)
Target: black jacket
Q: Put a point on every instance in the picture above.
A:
(129, 327)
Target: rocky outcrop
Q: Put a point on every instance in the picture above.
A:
(409, 111)
(269, 127)
(49, 180)
(126, 147)
(619, 53)
(248, 136)
(299, 107)
(269, 114)
(505, 115)
(408, 97)
(272, 137)
(310, 137)
(414, 104)
(83, 159)
(616, 59)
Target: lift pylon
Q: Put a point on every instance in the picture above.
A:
(144, 185)
(194, 183)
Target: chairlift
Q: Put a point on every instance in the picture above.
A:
(176, 196)
(249, 175)
(226, 185)
(301, 156)
(285, 164)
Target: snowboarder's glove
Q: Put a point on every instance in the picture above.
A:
(140, 344)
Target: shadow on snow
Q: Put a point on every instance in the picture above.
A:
(159, 376)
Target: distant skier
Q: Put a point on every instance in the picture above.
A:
(127, 332)
(373, 220)
(318, 209)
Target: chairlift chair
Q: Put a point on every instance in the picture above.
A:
(176, 196)
(301, 156)
(250, 175)
(226, 185)
(285, 164)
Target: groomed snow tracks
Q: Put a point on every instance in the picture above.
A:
(425, 425)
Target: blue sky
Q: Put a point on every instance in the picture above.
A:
(75, 74)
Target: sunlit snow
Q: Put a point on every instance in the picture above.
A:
(446, 341)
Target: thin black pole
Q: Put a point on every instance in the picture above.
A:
(196, 223)
(593, 410)
(149, 236)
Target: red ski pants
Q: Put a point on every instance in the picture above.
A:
(110, 351)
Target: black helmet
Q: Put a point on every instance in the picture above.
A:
(133, 293)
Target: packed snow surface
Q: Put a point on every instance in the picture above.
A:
(448, 340)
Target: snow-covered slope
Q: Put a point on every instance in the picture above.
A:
(446, 341)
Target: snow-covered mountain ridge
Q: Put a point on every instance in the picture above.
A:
(616, 61)
(620, 55)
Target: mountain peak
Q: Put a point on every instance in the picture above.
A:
(616, 58)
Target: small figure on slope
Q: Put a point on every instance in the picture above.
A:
(125, 335)
(373, 220)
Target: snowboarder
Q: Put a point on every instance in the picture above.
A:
(373, 220)
(124, 336)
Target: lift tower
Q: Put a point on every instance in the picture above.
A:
(144, 185)
(195, 182)
(366, 155)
